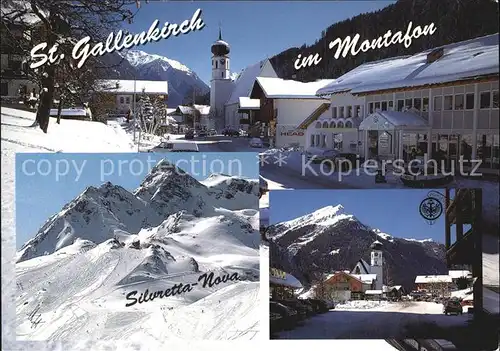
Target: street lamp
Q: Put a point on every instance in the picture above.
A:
(134, 104)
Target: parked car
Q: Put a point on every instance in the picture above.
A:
(231, 132)
(320, 155)
(452, 307)
(303, 310)
(281, 317)
(202, 133)
(321, 305)
(256, 142)
(175, 146)
(263, 186)
(212, 132)
(311, 308)
(189, 134)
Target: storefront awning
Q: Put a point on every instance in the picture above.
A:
(384, 120)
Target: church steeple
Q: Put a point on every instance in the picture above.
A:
(220, 32)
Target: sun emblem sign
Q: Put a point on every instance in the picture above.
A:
(431, 209)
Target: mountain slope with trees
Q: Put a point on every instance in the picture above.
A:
(455, 20)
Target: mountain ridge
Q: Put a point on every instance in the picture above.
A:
(311, 249)
(111, 211)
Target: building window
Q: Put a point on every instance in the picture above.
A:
(384, 105)
(323, 137)
(459, 102)
(425, 104)
(334, 112)
(222, 74)
(317, 140)
(216, 64)
(391, 105)
(337, 141)
(401, 104)
(357, 111)
(370, 107)
(494, 94)
(4, 89)
(417, 104)
(349, 111)
(341, 111)
(438, 102)
(485, 100)
(127, 100)
(312, 140)
(340, 124)
(122, 100)
(377, 105)
(469, 101)
(448, 102)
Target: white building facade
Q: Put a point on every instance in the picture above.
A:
(441, 102)
(337, 128)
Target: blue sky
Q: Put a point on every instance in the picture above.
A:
(46, 182)
(254, 29)
(395, 212)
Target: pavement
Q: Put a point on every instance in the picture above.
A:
(398, 321)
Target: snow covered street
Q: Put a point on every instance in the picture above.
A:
(381, 321)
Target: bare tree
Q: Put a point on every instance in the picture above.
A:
(151, 113)
(60, 24)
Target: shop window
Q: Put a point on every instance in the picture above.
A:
(401, 105)
(384, 105)
(417, 104)
(370, 107)
(425, 104)
(438, 103)
(377, 105)
(408, 103)
(469, 101)
(485, 100)
(391, 105)
(494, 95)
(484, 150)
(448, 102)
(459, 102)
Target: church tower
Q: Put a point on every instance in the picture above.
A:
(376, 264)
(221, 84)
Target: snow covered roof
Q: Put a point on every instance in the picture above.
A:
(244, 83)
(365, 278)
(185, 110)
(249, 104)
(384, 120)
(277, 88)
(373, 292)
(364, 265)
(130, 86)
(203, 109)
(426, 279)
(288, 280)
(454, 274)
(462, 60)
(171, 110)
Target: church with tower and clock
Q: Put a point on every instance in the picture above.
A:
(226, 108)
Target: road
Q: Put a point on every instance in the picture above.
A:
(396, 321)
(283, 177)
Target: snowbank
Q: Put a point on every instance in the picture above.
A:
(361, 305)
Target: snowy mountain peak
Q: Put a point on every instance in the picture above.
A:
(324, 216)
(139, 58)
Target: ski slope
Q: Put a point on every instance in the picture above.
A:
(148, 263)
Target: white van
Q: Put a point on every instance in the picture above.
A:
(175, 146)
